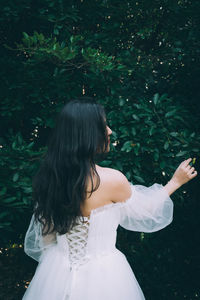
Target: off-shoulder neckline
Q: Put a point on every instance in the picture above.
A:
(105, 207)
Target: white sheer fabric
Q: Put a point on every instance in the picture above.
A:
(84, 263)
(149, 209)
(35, 242)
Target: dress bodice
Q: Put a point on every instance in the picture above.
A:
(148, 209)
(93, 236)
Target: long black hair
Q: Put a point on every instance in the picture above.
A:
(59, 186)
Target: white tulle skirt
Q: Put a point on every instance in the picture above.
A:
(106, 274)
(108, 277)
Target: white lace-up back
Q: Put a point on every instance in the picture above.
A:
(77, 239)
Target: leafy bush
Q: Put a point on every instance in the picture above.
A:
(140, 59)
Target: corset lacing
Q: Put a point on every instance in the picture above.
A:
(77, 240)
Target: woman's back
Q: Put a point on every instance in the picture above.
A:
(114, 187)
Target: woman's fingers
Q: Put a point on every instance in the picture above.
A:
(193, 175)
(185, 172)
(191, 170)
(188, 168)
(186, 162)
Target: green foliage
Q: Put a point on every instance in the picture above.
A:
(156, 136)
(49, 48)
(140, 59)
(17, 167)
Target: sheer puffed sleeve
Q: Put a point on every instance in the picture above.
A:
(148, 209)
(35, 242)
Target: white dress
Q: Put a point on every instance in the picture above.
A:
(84, 264)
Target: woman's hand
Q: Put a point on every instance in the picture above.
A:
(184, 173)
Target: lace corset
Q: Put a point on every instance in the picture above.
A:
(77, 240)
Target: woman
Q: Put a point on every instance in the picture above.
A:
(78, 206)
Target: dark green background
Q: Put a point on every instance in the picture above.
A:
(140, 59)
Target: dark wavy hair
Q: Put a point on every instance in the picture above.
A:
(78, 140)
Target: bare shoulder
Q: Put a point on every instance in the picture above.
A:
(119, 186)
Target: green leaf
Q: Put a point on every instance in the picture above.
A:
(121, 102)
(26, 36)
(14, 145)
(19, 139)
(151, 130)
(181, 153)
(15, 177)
(136, 148)
(127, 146)
(163, 97)
(139, 179)
(166, 145)
(9, 199)
(128, 175)
(155, 98)
(30, 145)
(135, 117)
(56, 31)
(163, 164)
(27, 190)
(156, 155)
(133, 130)
(171, 113)
(174, 134)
